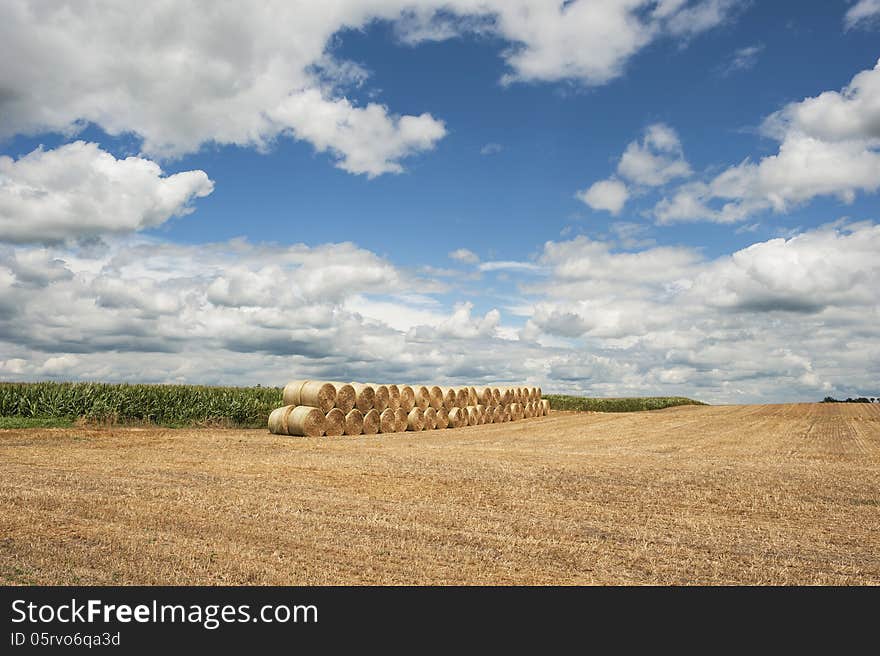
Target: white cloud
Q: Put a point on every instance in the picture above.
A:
(79, 190)
(464, 255)
(590, 42)
(491, 149)
(829, 146)
(780, 320)
(652, 162)
(631, 235)
(363, 139)
(862, 12)
(800, 314)
(180, 77)
(657, 160)
(742, 59)
(508, 265)
(609, 195)
(850, 114)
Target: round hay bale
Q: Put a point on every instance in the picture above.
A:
(430, 419)
(393, 397)
(435, 397)
(485, 394)
(354, 422)
(472, 396)
(407, 398)
(539, 393)
(415, 420)
(278, 420)
(546, 405)
(371, 422)
(498, 414)
(506, 415)
(422, 397)
(387, 421)
(490, 414)
(496, 396)
(400, 420)
(345, 397)
(473, 415)
(458, 417)
(365, 397)
(448, 397)
(443, 418)
(481, 414)
(507, 396)
(315, 393)
(382, 397)
(529, 410)
(461, 397)
(514, 410)
(334, 423)
(307, 421)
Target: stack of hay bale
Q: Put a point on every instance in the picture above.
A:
(315, 408)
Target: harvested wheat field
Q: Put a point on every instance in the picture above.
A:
(778, 494)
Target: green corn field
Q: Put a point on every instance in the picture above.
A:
(634, 404)
(188, 405)
(167, 405)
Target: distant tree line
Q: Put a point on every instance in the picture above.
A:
(861, 399)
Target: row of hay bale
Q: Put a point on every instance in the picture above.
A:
(316, 408)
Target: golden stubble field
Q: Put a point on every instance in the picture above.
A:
(777, 494)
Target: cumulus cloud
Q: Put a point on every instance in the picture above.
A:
(180, 77)
(363, 139)
(794, 311)
(656, 160)
(783, 319)
(609, 195)
(79, 190)
(652, 162)
(863, 12)
(829, 146)
(589, 42)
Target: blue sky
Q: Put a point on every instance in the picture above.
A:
(520, 118)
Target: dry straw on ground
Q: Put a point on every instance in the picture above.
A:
(730, 495)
